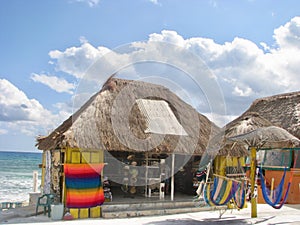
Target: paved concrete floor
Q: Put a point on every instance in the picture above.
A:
(288, 214)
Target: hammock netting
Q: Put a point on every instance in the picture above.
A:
(277, 199)
(223, 190)
(239, 196)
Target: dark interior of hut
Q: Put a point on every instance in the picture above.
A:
(141, 174)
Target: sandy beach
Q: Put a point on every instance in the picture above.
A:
(288, 214)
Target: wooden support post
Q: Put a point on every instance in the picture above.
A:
(146, 178)
(35, 181)
(172, 177)
(252, 181)
(272, 188)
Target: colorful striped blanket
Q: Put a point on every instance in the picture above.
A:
(83, 185)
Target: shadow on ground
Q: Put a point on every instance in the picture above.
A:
(293, 206)
(189, 221)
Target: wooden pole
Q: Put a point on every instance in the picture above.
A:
(252, 181)
(272, 187)
(172, 177)
(146, 178)
(35, 181)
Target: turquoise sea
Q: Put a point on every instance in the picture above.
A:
(16, 175)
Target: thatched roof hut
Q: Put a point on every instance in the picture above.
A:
(133, 116)
(281, 110)
(249, 121)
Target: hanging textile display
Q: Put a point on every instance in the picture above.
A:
(47, 180)
(239, 193)
(83, 185)
(220, 193)
(202, 176)
(223, 190)
(278, 199)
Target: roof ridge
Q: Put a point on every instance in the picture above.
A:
(278, 96)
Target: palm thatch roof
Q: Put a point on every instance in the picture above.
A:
(247, 122)
(281, 110)
(112, 120)
(278, 110)
(268, 137)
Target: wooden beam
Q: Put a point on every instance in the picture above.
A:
(172, 177)
(252, 181)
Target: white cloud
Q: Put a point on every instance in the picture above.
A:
(91, 3)
(22, 114)
(15, 105)
(83, 40)
(155, 2)
(244, 70)
(220, 120)
(288, 35)
(244, 92)
(58, 84)
(167, 36)
(265, 46)
(77, 60)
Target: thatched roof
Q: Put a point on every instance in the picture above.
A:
(281, 110)
(112, 120)
(245, 123)
(268, 137)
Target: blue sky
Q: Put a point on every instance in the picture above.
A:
(252, 47)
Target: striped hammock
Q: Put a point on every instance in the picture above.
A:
(83, 185)
(220, 193)
(223, 190)
(239, 193)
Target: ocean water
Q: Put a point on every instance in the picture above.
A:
(16, 175)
